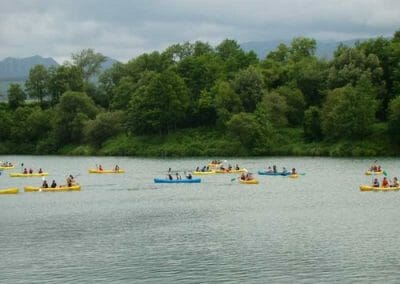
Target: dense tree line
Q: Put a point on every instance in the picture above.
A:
(224, 89)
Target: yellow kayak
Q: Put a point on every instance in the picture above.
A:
(28, 175)
(368, 173)
(6, 167)
(366, 187)
(293, 176)
(199, 173)
(233, 171)
(12, 190)
(49, 189)
(96, 171)
(251, 181)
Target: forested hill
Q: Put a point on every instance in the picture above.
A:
(193, 99)
(18, 68)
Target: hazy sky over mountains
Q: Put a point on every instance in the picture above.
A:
(123, 29)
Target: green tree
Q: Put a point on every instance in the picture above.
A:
(349, 112)
(6, 122)
(248, 84)
(16, 96)
(160, 105)
(73, 111)
(245, 128)
(227, 102)
(273, 108)
(295, 104)
(302, 47)
(312, 124)
(106, 125)
(37, 83)
(89, 62)
(394, 120)
(64, 78)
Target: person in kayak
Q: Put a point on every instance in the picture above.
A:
(170, 177)
(269, 170)
(25, 171)
(395, 183)
(70, 181)
(274, 169)
(375, 183)
(385, 182)
(189, 176)
(30, 171)
(100, 168)
(53, 184)
(294, 172)
(116, 168)
(40, 171)
(44, 184)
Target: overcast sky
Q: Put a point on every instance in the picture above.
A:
(123, 29)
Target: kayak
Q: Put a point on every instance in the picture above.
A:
(294, 176)
(233, 171)
(164, 180)
(265, 173)
(6, 167)
(368, 173)
(366, 187)
(28, 175)
(50, 189)
(199, 173)
(251, 181)
(12, 190)
(96, 171)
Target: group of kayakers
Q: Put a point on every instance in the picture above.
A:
(70, 182)
(6, 164)
(229, 168)
(247, 176)
(274, 170)
(100, 168)
(30, 171)
(178, 176)
(375, 168)
(386, 182)
(203, 169)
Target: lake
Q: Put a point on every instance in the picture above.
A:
(123, 228)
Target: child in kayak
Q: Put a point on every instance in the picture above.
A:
(375, 183)
(385, 182)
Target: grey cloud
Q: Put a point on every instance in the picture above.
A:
(124, 29)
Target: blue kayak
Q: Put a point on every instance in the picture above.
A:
(265, 173)
(164, 180)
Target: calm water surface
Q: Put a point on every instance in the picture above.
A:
(126, 229)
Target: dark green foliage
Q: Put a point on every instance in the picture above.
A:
(16, 96)
(312, 124)
(394, 120)
(196, 100)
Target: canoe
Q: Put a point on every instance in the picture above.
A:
(96, 171)
(6, 167)
(199, 173)
(233, 171)
(162, 180)
(265, 173)
(28, 175)
(368, 173)
(12, 190)
(366, 187)
(252, 181)
(51, 189)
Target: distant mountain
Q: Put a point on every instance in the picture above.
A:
(18, 68)
(325, 49)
